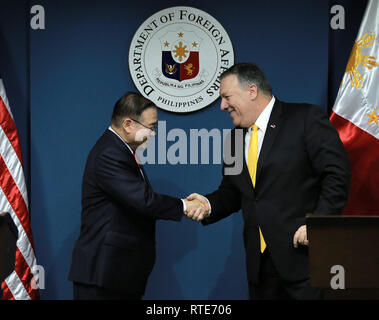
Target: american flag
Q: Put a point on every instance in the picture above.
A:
(14, 199)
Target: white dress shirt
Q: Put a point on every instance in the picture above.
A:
(262, 123)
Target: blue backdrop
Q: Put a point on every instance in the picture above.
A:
(62, 83)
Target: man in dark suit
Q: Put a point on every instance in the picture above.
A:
(293, 164)
(115, 251)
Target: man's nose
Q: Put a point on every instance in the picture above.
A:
(224, 105)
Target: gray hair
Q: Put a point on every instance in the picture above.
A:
(249, 73)
(130, 105)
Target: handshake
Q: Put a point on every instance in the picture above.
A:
(198, 207)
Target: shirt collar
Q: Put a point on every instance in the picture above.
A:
(110, 128)
(264, 117)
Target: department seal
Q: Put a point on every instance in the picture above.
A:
(176, 57)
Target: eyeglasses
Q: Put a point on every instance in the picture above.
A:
(154, 128)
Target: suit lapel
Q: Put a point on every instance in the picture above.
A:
(128, 153)
(141, 169)
(145, 175)
(273, 127)
(245, 175)
(272, 130)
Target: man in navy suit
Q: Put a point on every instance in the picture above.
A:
(115, 251)
(293, 164)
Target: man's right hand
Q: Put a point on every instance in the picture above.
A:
(195, 212)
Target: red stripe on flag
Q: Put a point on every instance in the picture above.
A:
(7, 294)
(9, 127)
(24, 273)
(17, 202)
(15, 199)
(363, 151)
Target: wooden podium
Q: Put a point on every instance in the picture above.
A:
(350, 243)
(8, 239)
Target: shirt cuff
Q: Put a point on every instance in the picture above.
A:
(184, 205)
(210, 208)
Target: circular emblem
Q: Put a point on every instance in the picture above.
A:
(176, 57)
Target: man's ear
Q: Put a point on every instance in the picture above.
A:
(126, 124)
(253, 91)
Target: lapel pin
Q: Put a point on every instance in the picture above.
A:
(273, 126)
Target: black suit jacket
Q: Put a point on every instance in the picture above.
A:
(116, 246)
(302, 168)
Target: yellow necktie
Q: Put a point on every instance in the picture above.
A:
(252, 166)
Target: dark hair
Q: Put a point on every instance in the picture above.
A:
(131, 104)
(248, 73)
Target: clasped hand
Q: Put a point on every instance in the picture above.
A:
(197, 207)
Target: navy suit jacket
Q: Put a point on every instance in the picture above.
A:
(116, 245)
(302, 168)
